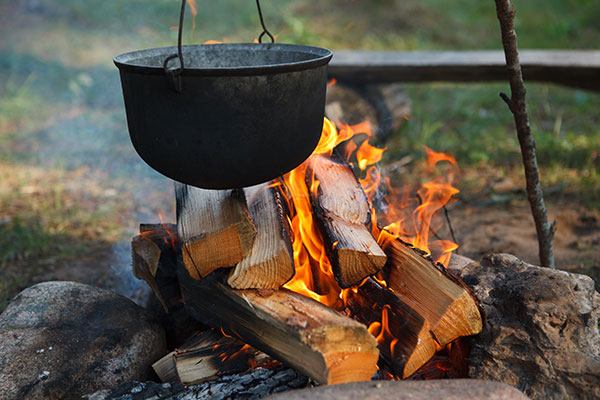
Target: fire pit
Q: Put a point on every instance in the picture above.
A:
(298, 269)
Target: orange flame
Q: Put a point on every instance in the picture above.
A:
(314, 275)
(411, 217)
(194, 10)
(368, 155)
(171, 239)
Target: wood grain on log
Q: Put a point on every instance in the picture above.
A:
(305, 334)
(214, 226)
(448, 306)
(270, 262)
(407, 343)
(344, 216)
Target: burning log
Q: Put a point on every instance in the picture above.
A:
(206, 356)
(214, 226)
(344, 217)
(154, 260)
(405, 341)
(441, 298)
(314, 339)
(270, 263)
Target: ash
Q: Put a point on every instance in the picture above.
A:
(251, 385)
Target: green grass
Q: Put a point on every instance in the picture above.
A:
(474, 124)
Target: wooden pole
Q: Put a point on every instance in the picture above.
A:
(517, 105)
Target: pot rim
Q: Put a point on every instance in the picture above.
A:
(126, 62)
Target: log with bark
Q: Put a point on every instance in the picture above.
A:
(214, 226)
(314, 339)
(446, 303)
(344, 217)
(270, 262)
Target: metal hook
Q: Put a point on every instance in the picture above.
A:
(262, 22)
(175, 74)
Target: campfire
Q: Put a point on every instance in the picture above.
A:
(300, 271)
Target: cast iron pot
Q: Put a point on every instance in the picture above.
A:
(237, 115)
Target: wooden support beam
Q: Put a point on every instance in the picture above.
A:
(312, 338)
(214, 226)
(447, 304)
(344, 216)
(270, 262)
(578, 68)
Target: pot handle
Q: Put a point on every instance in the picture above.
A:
(175, 73)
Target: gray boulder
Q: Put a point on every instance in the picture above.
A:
(60, 340)
(447, 389)
(541, 332)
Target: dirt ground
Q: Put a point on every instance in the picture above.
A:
(511, 229)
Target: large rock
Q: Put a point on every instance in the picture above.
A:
(447, 389)
(64, 339)
(541, 333)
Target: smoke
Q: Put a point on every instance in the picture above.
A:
(62, 111)
(125, 283)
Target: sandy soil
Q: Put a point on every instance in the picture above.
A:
(510, 229)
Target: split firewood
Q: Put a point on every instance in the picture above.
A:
(344, 216)
(214, 226)
(153, 254)
(270, 262)
(312, 338)
(206, 356)
(440, 297)
(404, 337)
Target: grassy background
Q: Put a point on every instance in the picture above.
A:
(72, 183)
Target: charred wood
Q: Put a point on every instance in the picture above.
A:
(154, 259)
(405, 341)
(447, 304)
(206, 356)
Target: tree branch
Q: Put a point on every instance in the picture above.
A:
(518, 107)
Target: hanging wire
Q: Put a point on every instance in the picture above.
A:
(262, 22)
(176, 73)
